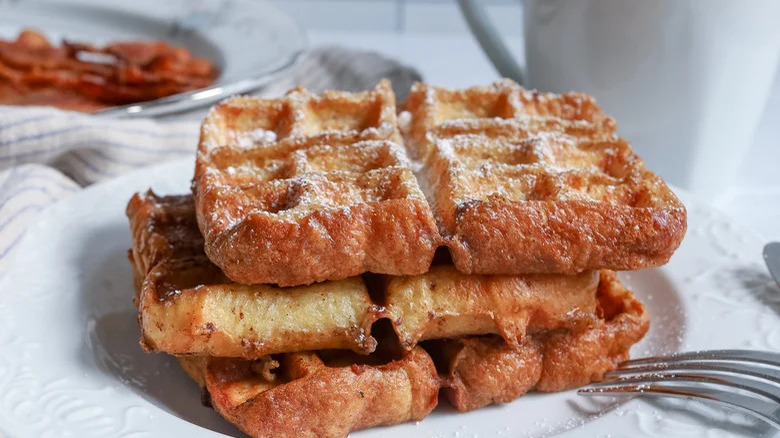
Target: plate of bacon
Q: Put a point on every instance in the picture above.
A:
(141, 58)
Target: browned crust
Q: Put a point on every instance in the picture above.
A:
(305, 396)
(314, 400)
(564, 238)
(255, 244)
(396, 237)
(485, 370)
(187, 306)
(445, 303)
(586, 202)
(559, 226)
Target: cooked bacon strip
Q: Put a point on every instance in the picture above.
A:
(85, 77)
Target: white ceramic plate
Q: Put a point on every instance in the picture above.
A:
(247, 40)
(70, 363)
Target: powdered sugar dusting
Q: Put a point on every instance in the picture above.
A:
(405, 122)
(384, 129)
(444, 146)
(256, 137)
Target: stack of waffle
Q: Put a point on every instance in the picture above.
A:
(342, 260)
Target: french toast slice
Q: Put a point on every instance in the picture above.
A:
(331, 393)
(481, 370)
(527, 182)
(445, 303)
(307, 188)
(311, 395)
(187, 306)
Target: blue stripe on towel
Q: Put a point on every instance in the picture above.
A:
(91, 167)
(39, 136)
(48, 181)
(97, 144)
(28, 189)
(17, 213)
(42, 135)
(107, 156)
(9, 179)
(38, 118)
(117, 145)
(13, 243)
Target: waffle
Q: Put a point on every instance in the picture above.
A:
(521, 181)
(445, 303)
(308, 397)
(187, 306)
(477, 371)
(329, 394)
(308, 188)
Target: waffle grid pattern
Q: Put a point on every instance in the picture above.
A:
(309, 188)
(321, 180)
(521, 181)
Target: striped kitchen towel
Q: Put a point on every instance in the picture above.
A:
(47, 154)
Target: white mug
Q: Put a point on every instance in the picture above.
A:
(686, 80)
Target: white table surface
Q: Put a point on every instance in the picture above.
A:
(455, 60)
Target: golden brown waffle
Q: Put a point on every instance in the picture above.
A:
(309, 188)
(478, 371)
(521, 181)
(445, 303)
(186, 305)
(307, 397)
(331, 393)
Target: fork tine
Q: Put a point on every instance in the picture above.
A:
(767, 411)
(711, 368)
(755, 386)
(761, 357)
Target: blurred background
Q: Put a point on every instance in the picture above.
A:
(434, 17)
(430, 35)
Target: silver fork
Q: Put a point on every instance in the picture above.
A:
(710, 376)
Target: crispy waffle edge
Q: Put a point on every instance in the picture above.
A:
(186, 306)
(392, 234)
(556, 225)
(310, 398)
